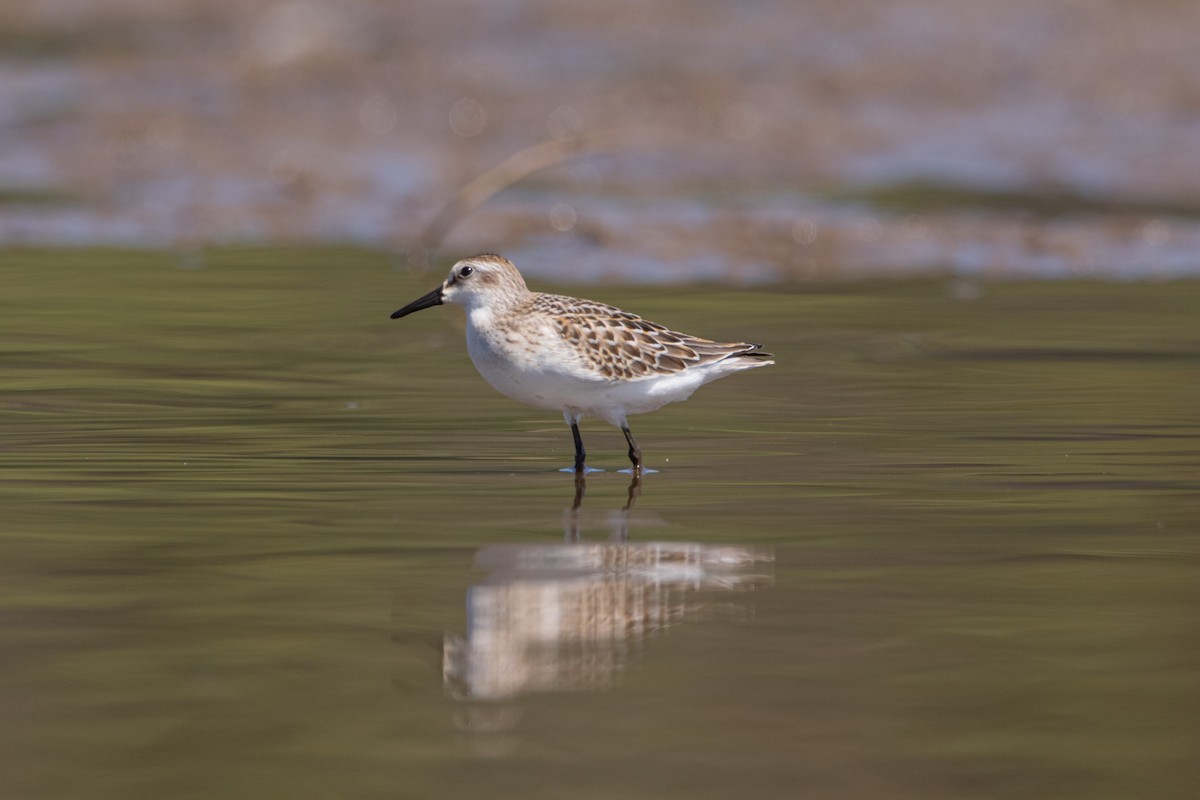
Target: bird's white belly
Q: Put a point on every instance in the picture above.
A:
(549, 375)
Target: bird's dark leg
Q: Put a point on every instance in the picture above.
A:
(635, 452)
(579, 454)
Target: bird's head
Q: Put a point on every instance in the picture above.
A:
(486, 279)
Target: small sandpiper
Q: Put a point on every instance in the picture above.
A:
(582, 358)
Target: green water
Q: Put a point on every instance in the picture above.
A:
(948, 547)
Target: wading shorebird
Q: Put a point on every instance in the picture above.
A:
(580, 357)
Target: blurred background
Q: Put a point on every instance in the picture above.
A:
(752, 140)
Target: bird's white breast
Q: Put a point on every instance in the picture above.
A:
(529, 363)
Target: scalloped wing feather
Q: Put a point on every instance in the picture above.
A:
(619, 345)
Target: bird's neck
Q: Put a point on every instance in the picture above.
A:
(486, 315)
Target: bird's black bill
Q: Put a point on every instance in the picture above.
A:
(434, 298)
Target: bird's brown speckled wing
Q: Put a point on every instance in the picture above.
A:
(619, 345)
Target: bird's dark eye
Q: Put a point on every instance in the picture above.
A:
(465, 272)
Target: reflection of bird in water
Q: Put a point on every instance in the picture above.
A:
(621, 528)
(553, 617)
(582, 358)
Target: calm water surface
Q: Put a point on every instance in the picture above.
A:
(260, 541)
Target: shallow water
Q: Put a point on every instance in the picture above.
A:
(258, 540)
